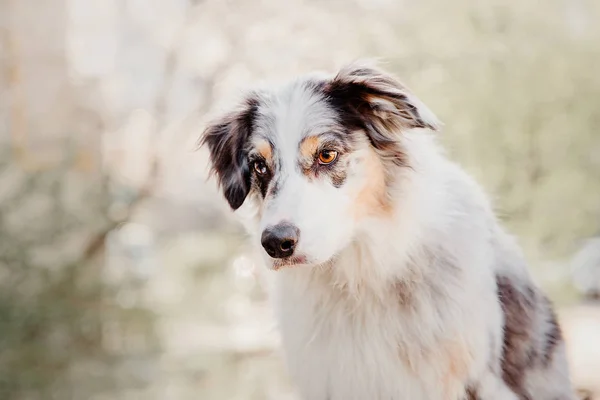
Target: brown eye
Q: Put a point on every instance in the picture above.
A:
(327, 156)
(260, 167)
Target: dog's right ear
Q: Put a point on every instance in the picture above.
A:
(226, 139)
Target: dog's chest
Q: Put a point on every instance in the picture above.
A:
(337, 348)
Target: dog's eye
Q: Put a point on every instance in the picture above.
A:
(327, 156)
(260, 167)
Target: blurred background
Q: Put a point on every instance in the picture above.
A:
(123, 275)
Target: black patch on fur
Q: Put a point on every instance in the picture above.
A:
(552, 337)
(338, 178)
(353, 94)
(472, 394)
(528, 343)
(518, 305)
(262, 182)
(274, 188)
(348, 101)
(226, 140)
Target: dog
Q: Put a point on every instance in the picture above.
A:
(394, 278)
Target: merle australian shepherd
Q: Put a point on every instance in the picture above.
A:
(394, 278)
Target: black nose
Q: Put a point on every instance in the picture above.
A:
(280, 240)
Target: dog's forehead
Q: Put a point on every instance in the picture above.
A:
(292, 112)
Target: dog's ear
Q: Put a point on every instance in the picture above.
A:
(378, 103)
(226, 139)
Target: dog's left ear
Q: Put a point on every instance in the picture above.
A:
(379, 96)
(226, 139)
(376, 102)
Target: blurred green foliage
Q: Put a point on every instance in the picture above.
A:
(55, 304)
(516, 86)
(515, 83)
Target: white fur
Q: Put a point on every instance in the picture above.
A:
(347, 333)
(343, 329)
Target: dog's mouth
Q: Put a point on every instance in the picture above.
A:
(291, 261)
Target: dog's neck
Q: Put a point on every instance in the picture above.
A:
(381, 255)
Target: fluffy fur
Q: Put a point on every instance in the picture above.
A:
(402, 284)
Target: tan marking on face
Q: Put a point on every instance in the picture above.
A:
(309, 146)
(265, 150)
(372, 198)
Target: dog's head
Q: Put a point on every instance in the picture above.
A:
(318, 156)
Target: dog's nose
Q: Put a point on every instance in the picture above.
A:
(279, 241)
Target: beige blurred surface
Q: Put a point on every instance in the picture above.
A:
(123, 275)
